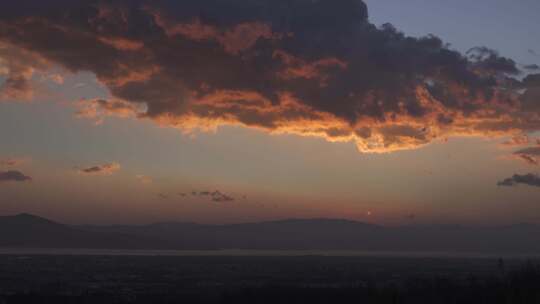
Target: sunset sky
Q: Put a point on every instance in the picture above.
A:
(218, 111)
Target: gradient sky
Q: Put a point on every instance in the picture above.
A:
(74, 131)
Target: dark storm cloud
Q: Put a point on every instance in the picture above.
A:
(527, 179)
(13, 176)
(531, 98)
(307, 67)
(489, 60)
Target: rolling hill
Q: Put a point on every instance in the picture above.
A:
(30, 231)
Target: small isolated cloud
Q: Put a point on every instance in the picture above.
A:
(105, 169)
(144, 179)
(527, 179)
(13, 176)
(533, 52)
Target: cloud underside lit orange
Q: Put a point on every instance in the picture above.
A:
(399, 132)
(344, 81)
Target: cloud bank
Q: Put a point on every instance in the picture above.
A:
(305, 67)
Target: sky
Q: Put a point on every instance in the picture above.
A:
(241, 111)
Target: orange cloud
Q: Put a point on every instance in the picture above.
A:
(98, 109)
(519, 140)
(283, 69)
(234, 40)
(298, 68)
(122, 44)
(18, 66)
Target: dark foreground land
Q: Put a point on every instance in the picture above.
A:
(278, 279)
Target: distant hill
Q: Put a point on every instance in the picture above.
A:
(277, 235)
(29, 231)
(312, 234)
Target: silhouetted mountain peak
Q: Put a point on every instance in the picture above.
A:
(27, 219)
(26, 216)
(27, 230)
(29, 216)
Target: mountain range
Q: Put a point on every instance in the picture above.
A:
(29, 231)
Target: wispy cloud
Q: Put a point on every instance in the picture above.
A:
(144, 179)
(98, 109)
(163, 196)
(516, 141)
(13, 162)
(18, 65)
(215, 196)
(530, 155)
(105, 169)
